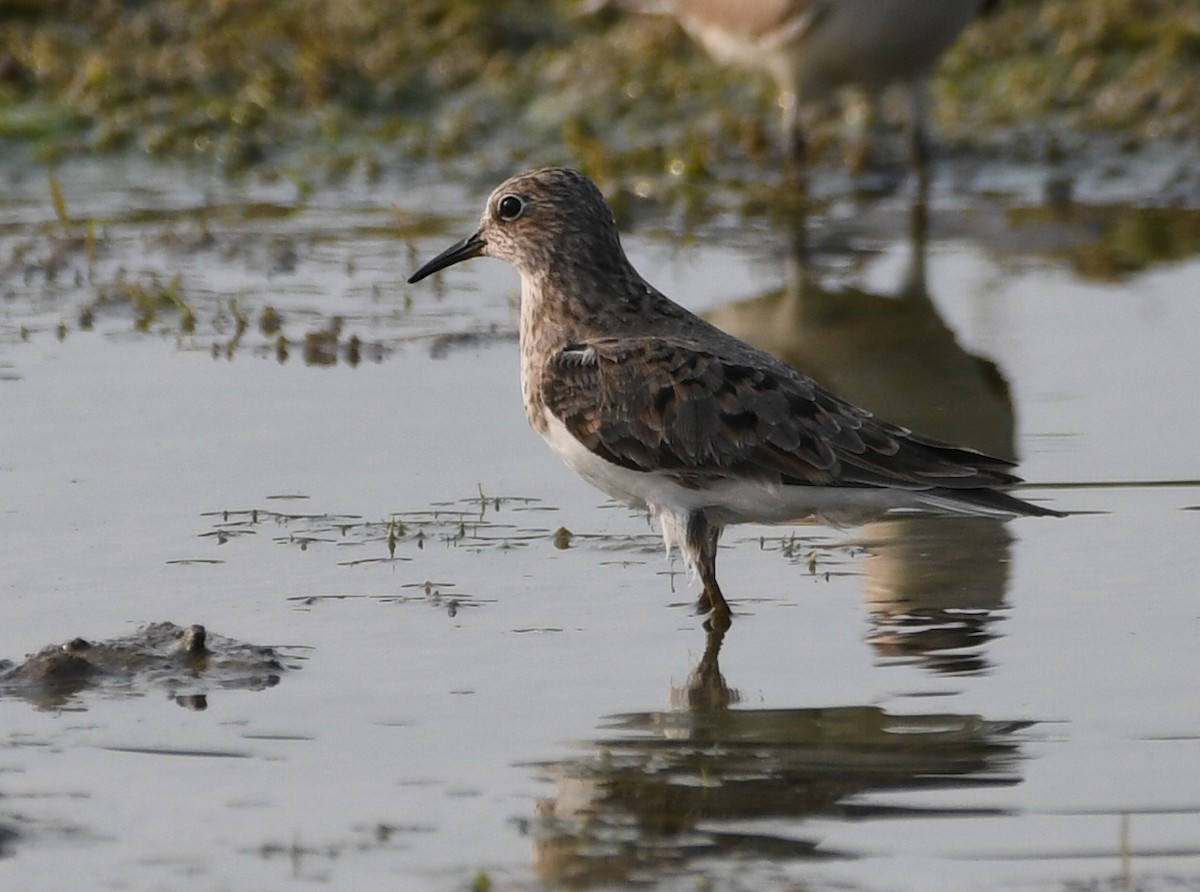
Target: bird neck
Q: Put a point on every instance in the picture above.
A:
(572, 302)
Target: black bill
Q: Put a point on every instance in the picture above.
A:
(471, 246)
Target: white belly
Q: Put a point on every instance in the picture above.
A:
(732, 500)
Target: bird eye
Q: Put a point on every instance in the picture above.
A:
(510, 207)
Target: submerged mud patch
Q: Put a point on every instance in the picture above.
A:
(186, 662)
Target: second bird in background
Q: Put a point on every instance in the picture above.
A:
(814, 48)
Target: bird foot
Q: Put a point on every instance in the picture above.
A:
(720, 617)
(718, 623)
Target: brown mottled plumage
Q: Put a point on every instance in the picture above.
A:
(659, 408)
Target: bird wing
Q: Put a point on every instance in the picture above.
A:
(701, 412)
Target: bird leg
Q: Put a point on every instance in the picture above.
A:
(862, 116)
(705, 689)
(918, 138)
(795, 161)
(702, 536)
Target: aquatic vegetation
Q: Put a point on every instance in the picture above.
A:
(497, 85)
(1110, 242)
(473, 523)
(1131, 66)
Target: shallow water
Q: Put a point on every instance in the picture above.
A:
(917, 703)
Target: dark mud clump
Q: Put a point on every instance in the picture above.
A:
(186, 662)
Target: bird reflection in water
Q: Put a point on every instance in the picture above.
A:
(657, 791)
(934, 585)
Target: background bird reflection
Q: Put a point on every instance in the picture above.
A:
(934, 585)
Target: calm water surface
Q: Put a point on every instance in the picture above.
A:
(919, 703)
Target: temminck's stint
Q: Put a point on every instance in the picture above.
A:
(662, 410)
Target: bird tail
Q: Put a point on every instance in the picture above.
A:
(984, 502)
